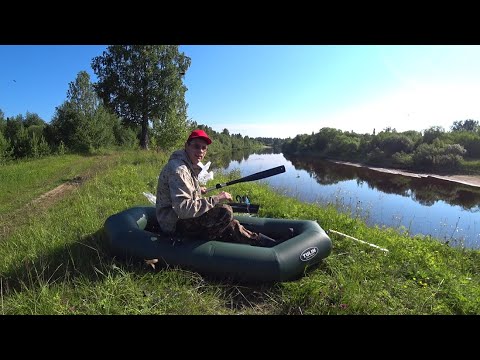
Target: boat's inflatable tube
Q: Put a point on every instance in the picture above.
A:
(134, 233)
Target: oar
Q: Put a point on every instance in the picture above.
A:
(257, 176)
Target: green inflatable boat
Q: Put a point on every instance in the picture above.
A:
(134, 233)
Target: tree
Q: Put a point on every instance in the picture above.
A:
(82, 122)
(432, 133)
(18, 137)
(5, 149)
(95, 127)
(32, 119)
(82, 96)
(142, 83)
(466, 125)
(469, 140)
(3, 122)
(392, 143)
(438, 155)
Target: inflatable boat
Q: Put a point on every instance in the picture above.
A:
(134, 233)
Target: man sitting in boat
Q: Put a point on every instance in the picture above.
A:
(181, 208)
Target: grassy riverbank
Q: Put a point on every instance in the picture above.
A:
(57, 264)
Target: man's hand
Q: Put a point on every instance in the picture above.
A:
(203, 189)
(224, 196)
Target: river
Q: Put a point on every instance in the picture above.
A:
(444, 210)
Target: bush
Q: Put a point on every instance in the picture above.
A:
(402, 160)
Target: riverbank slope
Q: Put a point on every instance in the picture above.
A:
(470, 180)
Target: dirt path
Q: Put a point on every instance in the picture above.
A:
(43, 202)
(50, 197)
(470, 180)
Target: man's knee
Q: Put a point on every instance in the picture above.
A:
(224, 213)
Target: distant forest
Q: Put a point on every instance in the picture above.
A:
(28, 136)
(433, 149)
(75, 131)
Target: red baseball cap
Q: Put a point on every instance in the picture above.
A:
(200, 134)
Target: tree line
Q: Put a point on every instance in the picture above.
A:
(432, 149)
(139, 100)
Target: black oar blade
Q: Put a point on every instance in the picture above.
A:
(260, 175)
(257, 176)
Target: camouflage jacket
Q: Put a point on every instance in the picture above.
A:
(178, 192)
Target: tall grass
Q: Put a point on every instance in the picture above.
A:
(59, 264)
(22, 181)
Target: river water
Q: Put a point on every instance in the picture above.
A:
(444, 210)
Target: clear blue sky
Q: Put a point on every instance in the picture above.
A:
(278, 90)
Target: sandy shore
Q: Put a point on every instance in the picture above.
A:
(470, 180)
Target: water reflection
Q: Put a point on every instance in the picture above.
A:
(426, 191)
(223, 159)
(429, 206)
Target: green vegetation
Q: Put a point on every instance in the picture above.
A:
(433, 150)
(22, 181)
(58, 263)
(143, 84)
(139, 100)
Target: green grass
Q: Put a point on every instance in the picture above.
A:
(23, 181)
(471, 167)
(58, 263)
